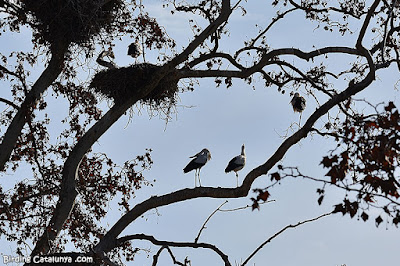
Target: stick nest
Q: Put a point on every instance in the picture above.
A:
(72, 20)
(122, 83)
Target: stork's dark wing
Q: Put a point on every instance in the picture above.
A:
(192, 165)
(133, 50)
(231, 165)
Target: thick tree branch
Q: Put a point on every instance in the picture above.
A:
(68, 186)
(68, 190)
(266, 60)
(366, 23)
(213, 55)
(108, 241)
(44, 81)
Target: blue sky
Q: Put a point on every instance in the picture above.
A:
(222, 120)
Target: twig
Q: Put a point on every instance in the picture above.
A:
(280, 232)
(245, 207)
(209, 217)
(155, 257)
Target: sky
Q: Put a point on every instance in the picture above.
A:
(221, 120)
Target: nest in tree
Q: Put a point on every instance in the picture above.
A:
(122, 83)
(72, 20)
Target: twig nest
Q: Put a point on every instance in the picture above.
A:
(122, 83)
(73, 20)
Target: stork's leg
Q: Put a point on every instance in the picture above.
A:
(195, 177)
(199, 177)
(237, 179)
(300, 119)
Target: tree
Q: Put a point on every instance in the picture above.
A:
(70, 186)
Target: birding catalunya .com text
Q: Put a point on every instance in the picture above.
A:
(46, 259)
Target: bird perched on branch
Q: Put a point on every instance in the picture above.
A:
(298, 103)
(237, 164)
(200, 159)
(100, 59)
(134, 49)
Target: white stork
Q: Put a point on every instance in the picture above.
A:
(237, 164)
(135, 50)
(200, 159)
(298, 103)
(100, 59)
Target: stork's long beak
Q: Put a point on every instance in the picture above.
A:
(197, 154)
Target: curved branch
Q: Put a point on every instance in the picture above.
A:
(155, 257)
(68, 190)
(326, 10)
(378, 45)
(309, 55)
(223, 256)
(208, 31)
(9, 103)
(280, 232)
(304, 76)
(274, 20)
(209, 217)
(265, 60)
(366, 23)
(9, 72)
(108, 242)
(205, 57)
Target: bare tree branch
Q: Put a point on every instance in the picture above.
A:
(208, 31)
(108, 241)
(325, 10)
(223, 256)
(274, 20)
(155, 257)
(44, 81)
(206, 221)
(286, 74)
(68, 186)
(244, 207)
(9, 103)
(265, 60)
(280, 232)
(9, 72)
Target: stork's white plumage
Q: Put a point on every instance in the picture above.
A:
(134, 49)
(237, 164)
(200, 159)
